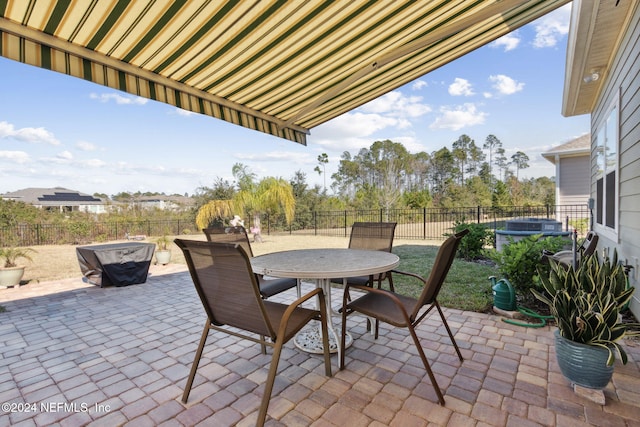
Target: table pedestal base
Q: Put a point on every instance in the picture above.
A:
(309, 339)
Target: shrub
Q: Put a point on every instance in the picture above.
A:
(473, 244)
(520, 262)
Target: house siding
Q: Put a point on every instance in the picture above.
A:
(573, 180)
(624, 82)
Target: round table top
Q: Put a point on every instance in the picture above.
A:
(324, 263)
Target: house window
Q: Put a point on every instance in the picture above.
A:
(607, 171)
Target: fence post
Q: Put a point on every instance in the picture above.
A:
(547, 210)
(478, 214)
(315, 223)
(424, 223)
(345, 223)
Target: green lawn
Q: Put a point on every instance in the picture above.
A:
(467, 286)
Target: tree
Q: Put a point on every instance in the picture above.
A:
(500, 196)
(460, 150)
(520, 161)
(269, 195)
(380, 172)
(501, 162)
(323, 159)
(442, 169)
(13, 212)
(214, 211)
(492, 143)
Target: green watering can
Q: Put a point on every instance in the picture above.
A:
(504, 296)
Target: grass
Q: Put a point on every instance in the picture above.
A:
(466, 287)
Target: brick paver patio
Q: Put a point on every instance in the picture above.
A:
(73, 354)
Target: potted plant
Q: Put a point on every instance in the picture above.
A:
(10, 272)
(163, 253)
(586, 304)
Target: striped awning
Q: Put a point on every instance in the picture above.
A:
(276, 66)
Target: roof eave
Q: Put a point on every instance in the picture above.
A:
(594, 35)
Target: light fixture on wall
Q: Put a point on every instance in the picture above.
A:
(592, 77)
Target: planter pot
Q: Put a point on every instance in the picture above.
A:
(163, 257)
(584, 365)
(10, 276)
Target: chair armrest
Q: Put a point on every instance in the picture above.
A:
(284, 321)
(306, 297)
(406, 273)
(383, 292)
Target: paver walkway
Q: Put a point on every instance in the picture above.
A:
(73, 354)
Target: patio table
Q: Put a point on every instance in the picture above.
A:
(322, 265)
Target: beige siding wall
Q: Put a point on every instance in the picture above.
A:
(574, 180)
(623, 82)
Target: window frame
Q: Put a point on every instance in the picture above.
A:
(603, 131)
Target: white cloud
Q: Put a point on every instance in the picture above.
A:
(119, 99)
(508, 42)
(552, 27)
(505, 85)
(278, 156)
(65, 155)
(33, 135)
(353, 125)
(459, 117)
(185, 113)
(419, 84)
(15, 156)
(396, 104)
(86, 146)
(460, 87)
(94, 163)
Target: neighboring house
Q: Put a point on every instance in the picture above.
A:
(58, 199)
(603, 80)
(572, 160)
(172, 203)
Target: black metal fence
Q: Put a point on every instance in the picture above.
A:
(428, 224)
(83, 232)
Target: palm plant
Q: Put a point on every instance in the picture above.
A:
(163, 243)
(11, 255)
(269, 195)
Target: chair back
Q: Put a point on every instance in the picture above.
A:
(227, 287)
(374, 236)
(439, 271)
(589, 244)
(236, 234)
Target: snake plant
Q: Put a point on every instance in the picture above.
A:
(586, 303)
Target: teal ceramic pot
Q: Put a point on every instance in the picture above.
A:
(584, 365)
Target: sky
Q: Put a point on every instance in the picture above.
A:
(61, 131)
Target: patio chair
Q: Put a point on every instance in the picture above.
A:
(374, 236)
(238, 234)
(567, 258)
(403, 311)
(228, 290)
